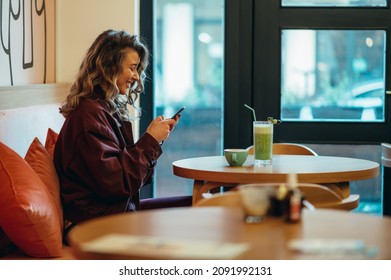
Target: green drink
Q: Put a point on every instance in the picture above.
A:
(263, 142)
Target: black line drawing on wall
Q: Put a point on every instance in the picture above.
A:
(26, 42)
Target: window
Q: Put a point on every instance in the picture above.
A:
(333, 75)
(305, 55)
(187, 62)
(345, 65)
(350, 56)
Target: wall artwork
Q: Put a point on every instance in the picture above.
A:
(27, 42)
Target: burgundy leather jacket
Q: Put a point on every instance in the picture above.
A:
(100, 168)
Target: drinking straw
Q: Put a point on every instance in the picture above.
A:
(248, 107)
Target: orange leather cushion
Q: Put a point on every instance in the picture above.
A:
(28, 213)
(40, 160)
(50, 142)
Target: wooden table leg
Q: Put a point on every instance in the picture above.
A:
(342, 189)
(197, 194)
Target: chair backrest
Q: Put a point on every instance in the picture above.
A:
(226, 199)
(318, 195)
(288, 149)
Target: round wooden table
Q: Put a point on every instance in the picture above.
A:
(266, 240)
(214, 171)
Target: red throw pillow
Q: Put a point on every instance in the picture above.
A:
(28, 213)
(50, 142)
(40, 160)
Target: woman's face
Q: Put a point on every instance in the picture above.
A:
(129, 73)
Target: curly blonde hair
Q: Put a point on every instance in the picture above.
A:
(101, 67)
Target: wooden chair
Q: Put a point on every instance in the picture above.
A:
(341, 189)
(288, 149)
(318, 195)
(324, 197)
(225, 199)
(327, 196)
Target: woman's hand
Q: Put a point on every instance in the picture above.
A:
(160, 128)
(177, 117)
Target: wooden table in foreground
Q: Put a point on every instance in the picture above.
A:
(267, 240)
(214, 171)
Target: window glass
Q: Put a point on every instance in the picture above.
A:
(334, 3)
(188, 71)
(333, 75)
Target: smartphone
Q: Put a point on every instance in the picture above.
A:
(179, 111)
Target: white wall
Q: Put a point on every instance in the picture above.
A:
(78, 23)
(27, 42)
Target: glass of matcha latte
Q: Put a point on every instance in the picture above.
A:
(263, 142)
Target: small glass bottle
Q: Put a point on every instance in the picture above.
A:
(277, 199)
(292, 201)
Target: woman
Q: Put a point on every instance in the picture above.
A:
(101, 169)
